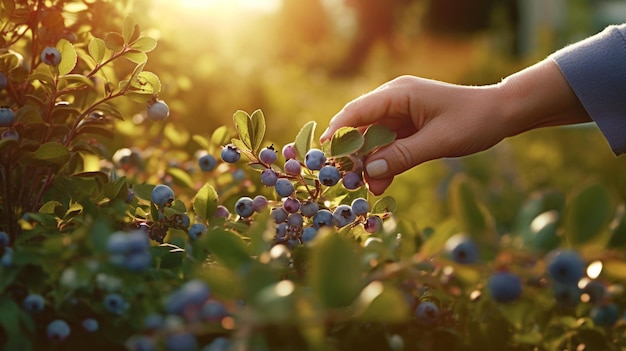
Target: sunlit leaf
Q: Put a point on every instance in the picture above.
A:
(257, 126)
(470, 212)
(242, 124)
(68, 57)
(48, 154)
(228, 248)
(220, 136)
(128, 29)
(114, 41)
(136, 56)
(144, 44)
(205, 202)
(386, 204)
(180, 177)
(376, 136)
(345, 141)
(588, 214)
(97, 49)
(304, 138)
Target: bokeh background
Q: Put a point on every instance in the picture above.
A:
(302, 60)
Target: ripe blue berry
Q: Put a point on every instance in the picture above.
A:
(259, 203)
(230, 153)
(221, 211)
(295, 220)
(183, 341)
(292, 167)
(309, 208)
(268, 155)
(115, 303)
(329, 175)
(427, 313)
(91, 325)
(566, 267)
(281, 231)
(566, 295)
(279, 214)
(58, 330)
(244, 207)
(192, 295)
(207, 162)
(323, 218)
(343, 215)
(7, 258)
(3, 81)
(4, 239)
(373, 224)
(33, 303)
(504, 286)
(213, 311)
(130, 250)
(595, 290)
(462, 249)
(284, 187)
(7, 117)
(291, 205)
(605, 315)
(352, 180)
(158, 110)
(10, 134)
(314, 159)
(196, 230)
(269, 177)
(162, 195)
(51, 56)
(289, 151)
(360, 206)
(308, 234)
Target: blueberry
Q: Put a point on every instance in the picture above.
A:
(504, 287)
(462, 249)
(218, 344)
(373, 224)
(158, 110)
(192, 294)
(58, 330)
(268, 155)
(33, 303)
(196, 230)
(129, 250)
(259, 203)
(269, 177)
(295, 220)
(162, 195)
(183, 341)
(343, 215)
(207, 162)
(213, 311)
(91, 325)
(427, 313)
(329, 175)
(115, 303)
(4, 239)
(566, 267)
(183, 220)
(7, 258)
(244, 207)
(230, 153)
(142, 343)
(289, 151)
(360, 206)
(291, 205)
(284, 187)
(605, 315)
(323, 218)
(221, 211)
(309, 208)
(3, 81)
(595, 290)
(314, 159)
(279, 214)
(10, 134)
(281, 231)
(308, 234)
(292, 167)
(239, 175)
(7, 117)
(352, 180)
(566, 295)
(51, 56)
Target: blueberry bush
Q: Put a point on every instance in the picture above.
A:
(246, 245)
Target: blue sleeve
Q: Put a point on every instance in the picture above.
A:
(595, 69)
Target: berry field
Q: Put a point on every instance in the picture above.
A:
(130, 219)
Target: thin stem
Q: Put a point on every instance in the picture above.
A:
(107, 61)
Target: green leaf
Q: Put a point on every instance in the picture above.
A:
(128, 29)
(588, 214)
(145, 82)
(304, 138)
(113, 41)
(618, 228)
(201, 141)
(257, 126)
(386, 204)
(97, 49)
(335, 272)
(51, 153)
(220, 136)
(381, 303)
(242, 125)
(205, 202)
(346, 141)
(144, 44)
(227, 248)
(136, 56)
(17, 324)
(470, 212)
(376, 136)
(9, 61)
(68, 57)
(180, 177)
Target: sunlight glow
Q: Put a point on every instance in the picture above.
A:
(221, 5)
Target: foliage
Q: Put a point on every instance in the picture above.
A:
(86, 234)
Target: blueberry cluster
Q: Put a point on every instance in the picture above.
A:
(130, 250)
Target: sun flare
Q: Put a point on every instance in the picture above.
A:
(229, 5)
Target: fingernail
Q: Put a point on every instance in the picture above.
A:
(376, 168)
